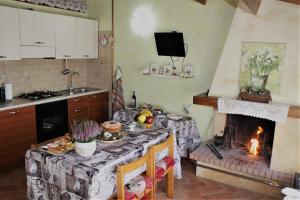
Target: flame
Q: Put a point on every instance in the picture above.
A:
(255, 141)
(254, 146)
(259, 130)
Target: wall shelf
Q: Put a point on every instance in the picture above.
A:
(212, 101)
(168, 77)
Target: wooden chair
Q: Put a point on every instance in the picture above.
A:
(127, 168)
(169, 171)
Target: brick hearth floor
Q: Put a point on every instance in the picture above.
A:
(13, 187)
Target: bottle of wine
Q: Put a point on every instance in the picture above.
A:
(133, 100)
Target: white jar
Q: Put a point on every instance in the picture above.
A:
(85, 149)
(8, 91)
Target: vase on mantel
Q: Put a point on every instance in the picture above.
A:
(258, 83)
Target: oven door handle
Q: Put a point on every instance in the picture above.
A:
(47, 125)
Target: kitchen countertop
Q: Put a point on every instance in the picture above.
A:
(19, 102)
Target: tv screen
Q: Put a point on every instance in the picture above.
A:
(170, 44)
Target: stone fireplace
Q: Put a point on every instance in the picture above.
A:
(258, 144)
(246, 144)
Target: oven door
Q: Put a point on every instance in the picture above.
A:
(52, 120)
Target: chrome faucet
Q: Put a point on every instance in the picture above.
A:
(71, 81)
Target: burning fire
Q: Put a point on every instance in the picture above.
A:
(255, 141)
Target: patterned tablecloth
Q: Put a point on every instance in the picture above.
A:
(186, 131)
(71, 177)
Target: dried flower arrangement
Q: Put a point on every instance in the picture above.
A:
(85, 130)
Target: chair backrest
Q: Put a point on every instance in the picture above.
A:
(127, 168)
(168, 144)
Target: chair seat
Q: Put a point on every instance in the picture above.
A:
(137, 187)
(162, 166)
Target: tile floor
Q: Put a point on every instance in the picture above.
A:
(13, 187)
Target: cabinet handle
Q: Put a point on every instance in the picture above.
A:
(2, 56)
(38, 42)
(66, 56)
(75, 100)
(95, 96)
(77, 110)
(14, 112)
(86, 56)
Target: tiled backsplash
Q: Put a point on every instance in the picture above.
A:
(29, 75)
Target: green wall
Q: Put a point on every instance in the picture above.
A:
(17, 4)
(205, 30)
(101, 10)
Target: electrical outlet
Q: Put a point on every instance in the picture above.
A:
(103, 60)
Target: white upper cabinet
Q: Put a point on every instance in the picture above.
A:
(9, 34)
(65, 36)
(86, 38)
(37, 28)
(96, 39)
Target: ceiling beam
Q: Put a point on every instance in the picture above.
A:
(297, 2)
(202, 1)
(250, 6)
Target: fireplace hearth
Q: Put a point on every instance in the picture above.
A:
(246, 145)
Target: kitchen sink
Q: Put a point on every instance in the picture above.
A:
(77, 91)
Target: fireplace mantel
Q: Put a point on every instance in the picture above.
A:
(203, 99)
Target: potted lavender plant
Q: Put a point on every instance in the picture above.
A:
(84, 132)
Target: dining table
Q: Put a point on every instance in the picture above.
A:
(70, 176)
(184, 127)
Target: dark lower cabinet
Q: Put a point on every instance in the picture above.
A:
(17, 133)
(93, 107)
(78, 108)
(18, 126)
(98, 107)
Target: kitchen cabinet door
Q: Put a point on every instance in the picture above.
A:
(85, 38)
(98, 107)
(96, 45)
(37, 28)
(65, 36)
(77, 109)
(9, 34)
(18, 132)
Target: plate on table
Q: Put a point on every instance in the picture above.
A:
(59, 146)
(107, 137)
(130, 108)
(174, 116)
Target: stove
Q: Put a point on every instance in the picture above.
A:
(38, 95)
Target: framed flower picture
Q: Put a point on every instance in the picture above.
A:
(262, 66)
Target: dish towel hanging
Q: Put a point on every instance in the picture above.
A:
(117, 92)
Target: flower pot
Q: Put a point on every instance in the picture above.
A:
(85, 149)
(258, 83)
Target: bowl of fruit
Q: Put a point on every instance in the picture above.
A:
(145, 118)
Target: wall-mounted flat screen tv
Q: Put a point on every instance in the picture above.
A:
(170, 44)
